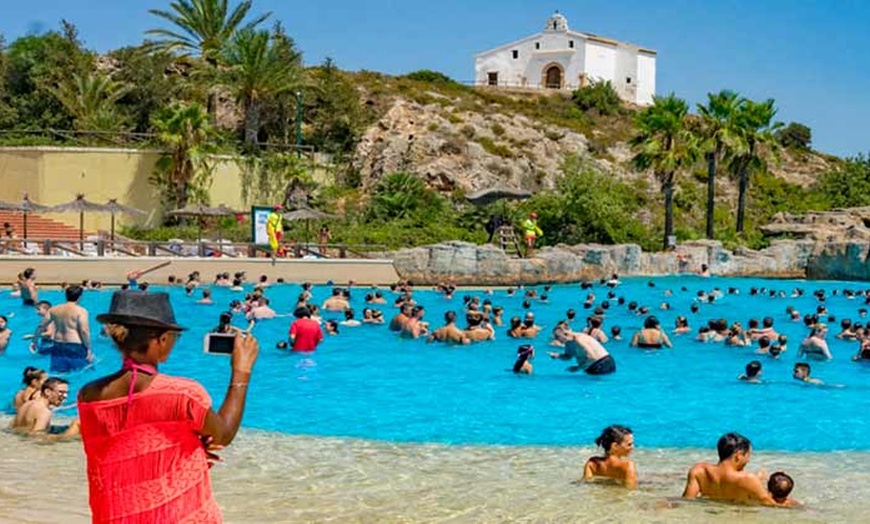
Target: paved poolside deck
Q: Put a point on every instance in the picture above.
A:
(113, 270)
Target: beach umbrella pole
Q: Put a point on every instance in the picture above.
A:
(81, 230)
(112, 234)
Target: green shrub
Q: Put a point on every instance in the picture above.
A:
(848, 185)
(495, 149)
(600, 97)
(404, 195)
(433, 77)
(498, 129)
(795, 135)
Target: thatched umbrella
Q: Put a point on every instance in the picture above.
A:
(487, 196)
(25, 206)
(495, 193)
(201, 210)
(307, 214)
(116, 208)
(80, 206)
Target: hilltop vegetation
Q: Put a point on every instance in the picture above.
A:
(405, 150)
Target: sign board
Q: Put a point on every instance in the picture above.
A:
(259, 216)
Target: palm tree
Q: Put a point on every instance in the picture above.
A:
(91, 101)
(184, 171)
(718, 134)
(664, 145)
(202, 27)
(755, 129)
(257, 70)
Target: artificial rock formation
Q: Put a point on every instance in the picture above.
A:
(467, 264)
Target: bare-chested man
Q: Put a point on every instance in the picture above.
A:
(29, 295)
(478, 328)
(415, 327)
(727, 480)
(449, 332)
(398, 322)
(336, 302)
(71, 349)
(34, 417)
(590, 354)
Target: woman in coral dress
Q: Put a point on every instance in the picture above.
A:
(144, 432)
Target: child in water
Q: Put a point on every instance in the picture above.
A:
(617, 442)
(780, 485)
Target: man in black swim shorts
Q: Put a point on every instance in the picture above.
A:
(590, 354)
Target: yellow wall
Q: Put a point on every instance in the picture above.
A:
(52, 175)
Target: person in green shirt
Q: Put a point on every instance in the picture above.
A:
(531, 232)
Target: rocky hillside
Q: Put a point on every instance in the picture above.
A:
(462, 138)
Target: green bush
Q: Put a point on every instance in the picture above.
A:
(495, 149)
(848, 185)
(433, 77)
(795, 135)
(588, 206)
(600, 97)
(404, 195)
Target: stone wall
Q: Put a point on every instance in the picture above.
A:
(468, 264)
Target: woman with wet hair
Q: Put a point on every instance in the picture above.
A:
(618, 443)
(33, 380)
(524, 354)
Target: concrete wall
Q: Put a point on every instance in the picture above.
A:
(600, 61)
(646, 77)
(53, 175)
(54, 270)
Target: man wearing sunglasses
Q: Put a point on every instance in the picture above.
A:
(34, 417)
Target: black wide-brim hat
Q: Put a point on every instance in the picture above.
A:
(136, 308)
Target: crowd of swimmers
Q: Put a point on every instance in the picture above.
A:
(63, 333)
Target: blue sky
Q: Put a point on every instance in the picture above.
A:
(810, 55)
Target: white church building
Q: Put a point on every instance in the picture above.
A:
(559, 58)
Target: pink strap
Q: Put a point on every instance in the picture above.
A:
(133, 367)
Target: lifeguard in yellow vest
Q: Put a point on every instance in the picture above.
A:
(275, 229)
(531, 231)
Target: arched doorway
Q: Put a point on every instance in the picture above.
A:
(553, 77)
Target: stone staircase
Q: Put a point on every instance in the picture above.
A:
(39, 227)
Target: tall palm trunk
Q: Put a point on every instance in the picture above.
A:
(668, 191)
(711, 189)
(252, 121)
(742, 186)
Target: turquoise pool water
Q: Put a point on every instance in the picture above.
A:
(370, 384)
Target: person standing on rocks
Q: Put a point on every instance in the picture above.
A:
(531, 231)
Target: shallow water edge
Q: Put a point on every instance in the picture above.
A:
(269, 477)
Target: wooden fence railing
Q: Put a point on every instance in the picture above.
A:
(180, 248)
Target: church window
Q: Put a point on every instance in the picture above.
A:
(628, 80)
(537, 45)
(571, 44)
(516, 54)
